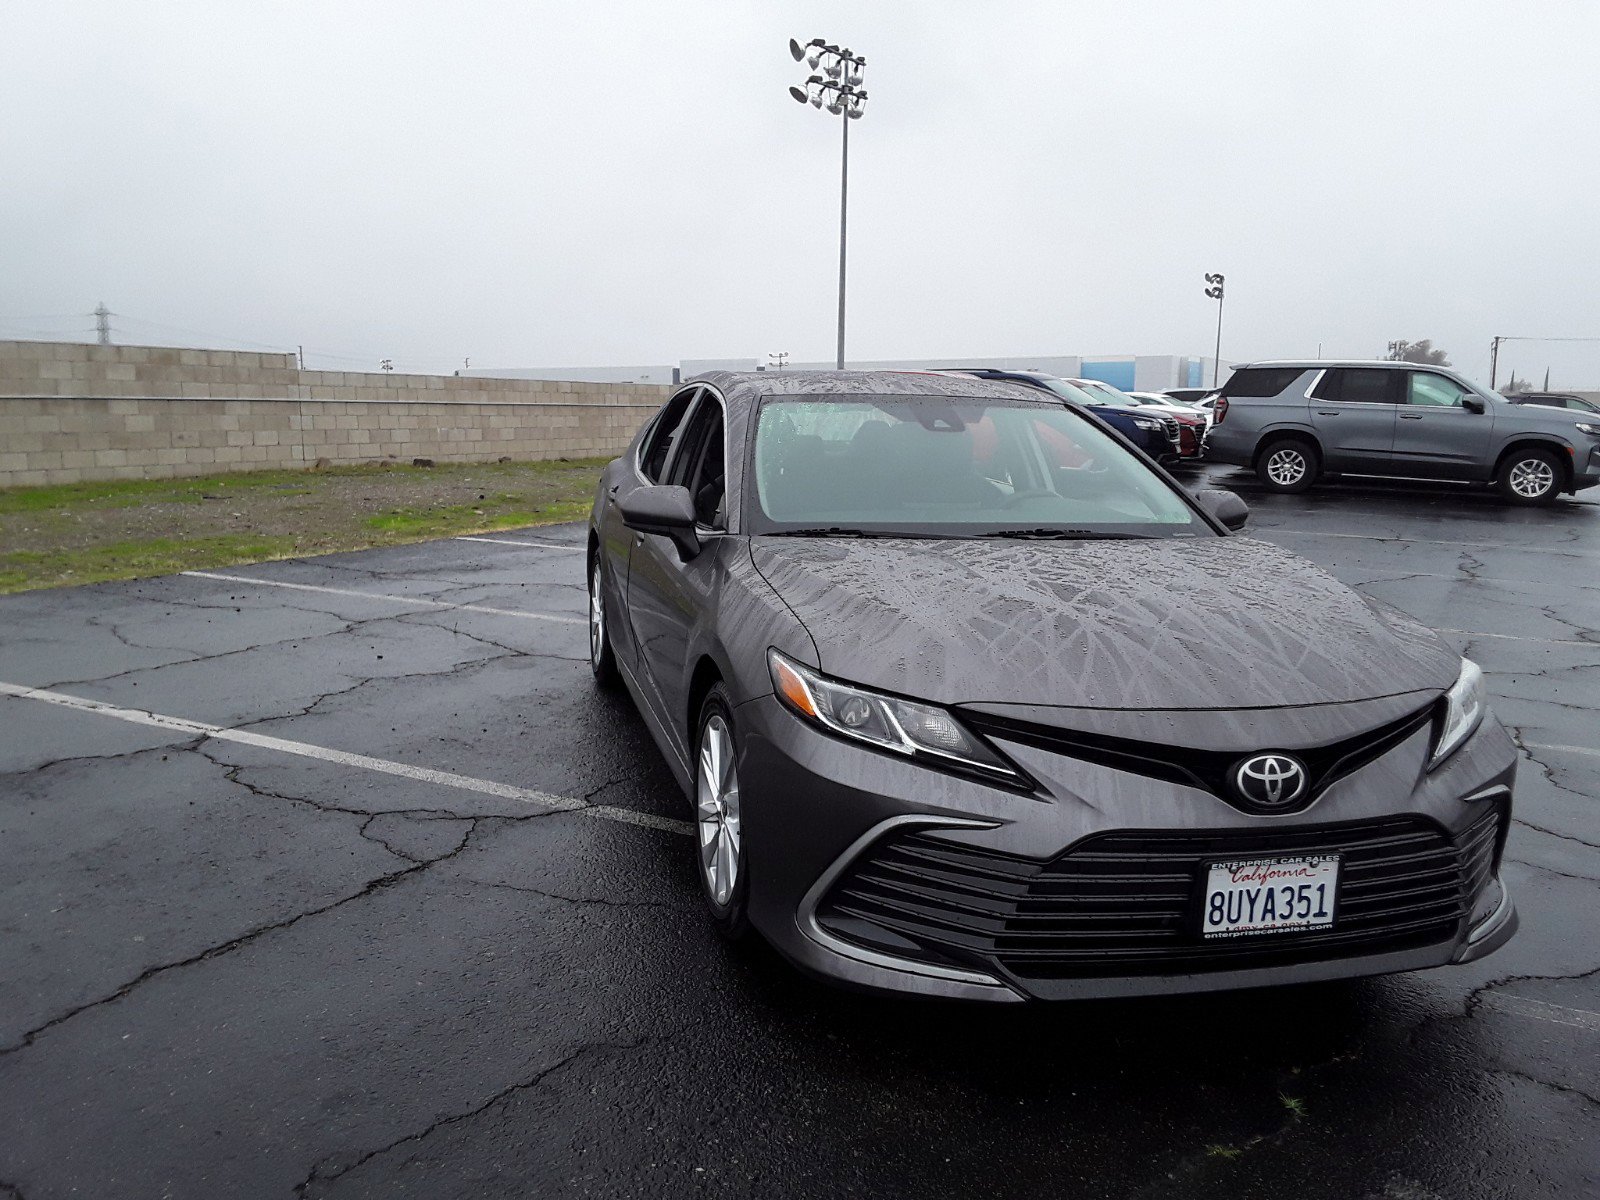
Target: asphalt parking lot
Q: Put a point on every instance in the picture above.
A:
(336, 877)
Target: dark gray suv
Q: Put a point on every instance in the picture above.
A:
(1296, 421)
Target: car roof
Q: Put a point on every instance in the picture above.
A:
(1317, 364)
(749, 386)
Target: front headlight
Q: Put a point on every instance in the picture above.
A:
(887, 722)
(1592, 430)
(1465, 704)
(1147, 424)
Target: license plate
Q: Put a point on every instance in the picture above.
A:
(1269, 895)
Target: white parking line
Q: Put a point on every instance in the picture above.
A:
(1556, 1014)
(418, 600)
(1562, 749)
(1513, 637)
(467, 537)
(488, 787)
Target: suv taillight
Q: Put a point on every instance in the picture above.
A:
(1219, 410)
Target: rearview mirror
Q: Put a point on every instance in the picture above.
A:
(1225, 507)
(665, 509)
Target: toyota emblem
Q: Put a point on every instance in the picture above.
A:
(1270, 780)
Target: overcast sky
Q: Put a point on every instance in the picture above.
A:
(616, 182)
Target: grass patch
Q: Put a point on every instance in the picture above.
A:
(125, 529)
(22, 569)
(121, 493)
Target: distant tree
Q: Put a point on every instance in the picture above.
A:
(1417, 352)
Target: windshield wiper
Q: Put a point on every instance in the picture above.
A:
(1064, 535)
(832, 531)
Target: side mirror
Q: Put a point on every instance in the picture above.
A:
(1225, 507)
(664, 509)
(1473, 404)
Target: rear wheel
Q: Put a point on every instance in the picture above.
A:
(601, 660)
(719, 826)
(1530, 476)
(1288, 465)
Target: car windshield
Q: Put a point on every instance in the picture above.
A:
(938, 466)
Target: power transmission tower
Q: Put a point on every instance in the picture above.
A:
(102, 323)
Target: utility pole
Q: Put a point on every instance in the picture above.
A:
(1494, 359)
(102, 323)
(839, 88)
(300, 352)
(1214, 290)
(777, 358)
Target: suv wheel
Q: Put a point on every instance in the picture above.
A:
(1288, 465)
(1529, 476)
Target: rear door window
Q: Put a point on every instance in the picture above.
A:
(1260, 381)
(1358, 385)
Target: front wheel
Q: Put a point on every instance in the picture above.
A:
(719, 825)
(602, 661)
(1529, 477)
(1288, 466)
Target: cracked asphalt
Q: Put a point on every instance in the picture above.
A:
(455, 947)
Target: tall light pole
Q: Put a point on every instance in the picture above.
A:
(838, 89)
(1214, 284)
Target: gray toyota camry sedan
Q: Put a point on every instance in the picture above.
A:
(972, 700)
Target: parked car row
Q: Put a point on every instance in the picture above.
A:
(1294, 422)
(1297, 422)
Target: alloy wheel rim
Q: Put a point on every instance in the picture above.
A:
(597, 617)
(717, 811)
(1532, 478)
(1286, 467)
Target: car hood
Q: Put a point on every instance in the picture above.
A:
(1161, 624)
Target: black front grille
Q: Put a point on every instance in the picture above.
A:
(1209, 770)
(1128, 903)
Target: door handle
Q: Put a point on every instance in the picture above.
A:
(1324, 412)
(1411, 416)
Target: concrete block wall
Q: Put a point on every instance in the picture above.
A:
(72, 412)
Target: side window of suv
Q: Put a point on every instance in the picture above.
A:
(1260, 381)
(668, 425)
(1424, 387)
(1357, 385)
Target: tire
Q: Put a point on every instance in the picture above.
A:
(602, 661)
(1530, 476)
(1288, 466)
(720, 859)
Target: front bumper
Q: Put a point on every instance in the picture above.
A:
(1586, 471)
(824, 814)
